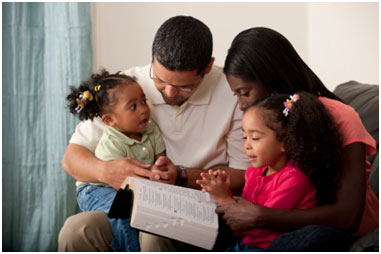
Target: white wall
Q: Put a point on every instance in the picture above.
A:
(339, 46)
(343, 42)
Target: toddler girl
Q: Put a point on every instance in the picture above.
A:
(121, 104)
(295, 151)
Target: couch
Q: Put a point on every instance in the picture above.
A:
(364, 99)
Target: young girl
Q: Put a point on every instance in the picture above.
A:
(295, 150)
(121, 104)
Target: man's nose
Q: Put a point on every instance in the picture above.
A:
(171, 91)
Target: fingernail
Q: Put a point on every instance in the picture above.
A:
(157, 177)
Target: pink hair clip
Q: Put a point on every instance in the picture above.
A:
(288, 104)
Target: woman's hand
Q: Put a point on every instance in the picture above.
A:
(241, 216)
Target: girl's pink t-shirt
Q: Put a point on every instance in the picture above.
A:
(353, 130)
(289, 188)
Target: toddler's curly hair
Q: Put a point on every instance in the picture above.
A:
(103, 98)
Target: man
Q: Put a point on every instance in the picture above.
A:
(193, 106)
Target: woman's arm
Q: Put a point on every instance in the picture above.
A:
(80, 163)
(344, 214)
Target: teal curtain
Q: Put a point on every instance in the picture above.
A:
(46, 48)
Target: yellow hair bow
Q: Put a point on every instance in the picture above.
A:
(97, 88)
(83, 99)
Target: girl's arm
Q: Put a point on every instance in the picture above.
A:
(344, 214)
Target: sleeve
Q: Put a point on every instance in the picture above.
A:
(235, 144)
(292, 191)
(157, 139)
(88, 133)
(353, 129)
(350, 125)
(110, 149)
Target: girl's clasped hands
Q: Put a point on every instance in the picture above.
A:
(217, 183)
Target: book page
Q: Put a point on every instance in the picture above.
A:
(176, 201)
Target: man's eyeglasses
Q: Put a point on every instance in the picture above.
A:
(161, 84)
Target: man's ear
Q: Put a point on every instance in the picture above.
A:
(210, 65)
(108, 120)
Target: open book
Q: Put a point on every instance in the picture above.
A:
(175, 212)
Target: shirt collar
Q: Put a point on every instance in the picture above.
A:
(125, 139)
(203, 92)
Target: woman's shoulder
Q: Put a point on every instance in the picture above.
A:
(349, 123)
(337, 108)
(343, 115)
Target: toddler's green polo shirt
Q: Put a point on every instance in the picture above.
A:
(115, 145)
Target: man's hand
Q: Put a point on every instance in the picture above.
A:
(115, 172)
(240, 216)
(163, 170)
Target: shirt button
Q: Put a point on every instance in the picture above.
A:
(144, 149)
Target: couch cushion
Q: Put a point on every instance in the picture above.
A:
(368, 242)
(364, 99)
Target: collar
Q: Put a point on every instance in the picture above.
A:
(127, 140)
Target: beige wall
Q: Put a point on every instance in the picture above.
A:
(343, 42)
(338, 40)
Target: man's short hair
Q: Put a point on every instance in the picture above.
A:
(183, 43)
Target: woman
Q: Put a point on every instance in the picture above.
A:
(261, 62)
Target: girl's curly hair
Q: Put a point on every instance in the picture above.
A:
(310, 137)
(102, 98)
